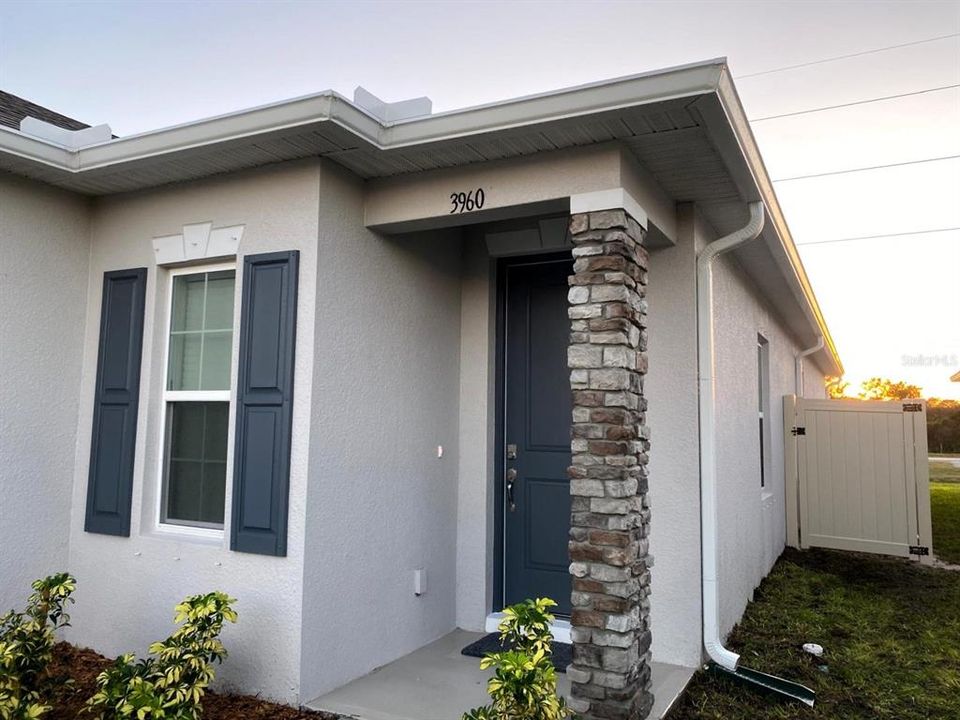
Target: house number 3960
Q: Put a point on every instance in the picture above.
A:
(466, 201)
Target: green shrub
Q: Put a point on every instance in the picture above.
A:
(26, 647)
(170, 684)
(524, 685)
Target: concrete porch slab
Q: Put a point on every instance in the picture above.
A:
(436, 682)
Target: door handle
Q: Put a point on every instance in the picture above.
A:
(511, 478)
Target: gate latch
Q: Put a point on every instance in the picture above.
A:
(919, 550)
(798, 431)
(912, 407)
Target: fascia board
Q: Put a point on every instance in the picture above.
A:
(34, 149)
(224, 128)
(684, 81)
(583, 100)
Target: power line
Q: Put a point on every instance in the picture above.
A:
(845, 57)
(857, 102)
(865, 169)
(873, 237)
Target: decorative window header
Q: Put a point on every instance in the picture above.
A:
(198, 241)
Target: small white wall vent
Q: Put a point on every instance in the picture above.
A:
(392, 112)
(198, 241)
(70, 139)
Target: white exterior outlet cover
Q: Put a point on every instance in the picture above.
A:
(439, 451)
(419, 582)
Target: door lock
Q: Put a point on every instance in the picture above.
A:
(511, 452)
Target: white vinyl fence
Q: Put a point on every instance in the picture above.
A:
(857, 476)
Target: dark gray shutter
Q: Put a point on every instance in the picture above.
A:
(261, 476)
(110, 484)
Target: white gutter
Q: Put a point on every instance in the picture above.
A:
(798, 368)
(709, 520)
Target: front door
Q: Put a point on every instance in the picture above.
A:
(537, 418)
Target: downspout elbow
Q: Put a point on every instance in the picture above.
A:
(798, 367)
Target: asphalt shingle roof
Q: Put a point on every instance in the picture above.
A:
(13, 109)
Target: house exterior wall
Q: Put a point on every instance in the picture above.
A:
(671, 390)
(752, 519)
(44, 250)
(475, 491)
(381, 503)
(128, 586)
(749, 546)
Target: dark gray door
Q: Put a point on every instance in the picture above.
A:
(537, 402)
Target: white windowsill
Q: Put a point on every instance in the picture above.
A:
(185, 533)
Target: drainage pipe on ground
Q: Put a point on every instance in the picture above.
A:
(709, 522)
(798, 369)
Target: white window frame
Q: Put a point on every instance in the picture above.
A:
(168, 396)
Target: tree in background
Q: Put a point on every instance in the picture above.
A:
(943, 425)
(877, 388)
(836, 387)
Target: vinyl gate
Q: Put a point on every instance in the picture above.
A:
(857, 476)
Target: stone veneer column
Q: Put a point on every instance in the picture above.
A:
(609, 519)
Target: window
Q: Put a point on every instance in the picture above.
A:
(763, 403)
(197, 398)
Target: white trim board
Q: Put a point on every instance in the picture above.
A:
(613, 199)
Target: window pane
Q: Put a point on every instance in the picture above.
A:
(215, 431)
(188, 302)
(184, 371)
(186, 431)
(196, 463)
(201, 331)
(183, 493)
(219, 314)
(215, 373)
(212, 493)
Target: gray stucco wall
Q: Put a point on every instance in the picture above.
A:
(752, 525)
(671, 390)
(475, 498)
(381, 503)
(752, 520)
(128, 586)
(44, 250)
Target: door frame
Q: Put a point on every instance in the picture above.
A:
(500, 460)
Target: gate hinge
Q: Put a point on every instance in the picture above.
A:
(919, 550)
(912, 407)
(798, 431)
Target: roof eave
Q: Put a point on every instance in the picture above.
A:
(754, 183)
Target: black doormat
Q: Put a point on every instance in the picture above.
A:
(562, 653)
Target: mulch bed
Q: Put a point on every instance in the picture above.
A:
(83, 666)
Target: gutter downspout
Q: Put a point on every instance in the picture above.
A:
(709, 520)
(798, 369)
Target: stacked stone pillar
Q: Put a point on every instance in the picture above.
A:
(610, 674)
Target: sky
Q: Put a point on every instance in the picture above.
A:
(892, 303)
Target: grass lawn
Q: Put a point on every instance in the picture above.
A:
(945, 513)
(890, 629)
(945, 510)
